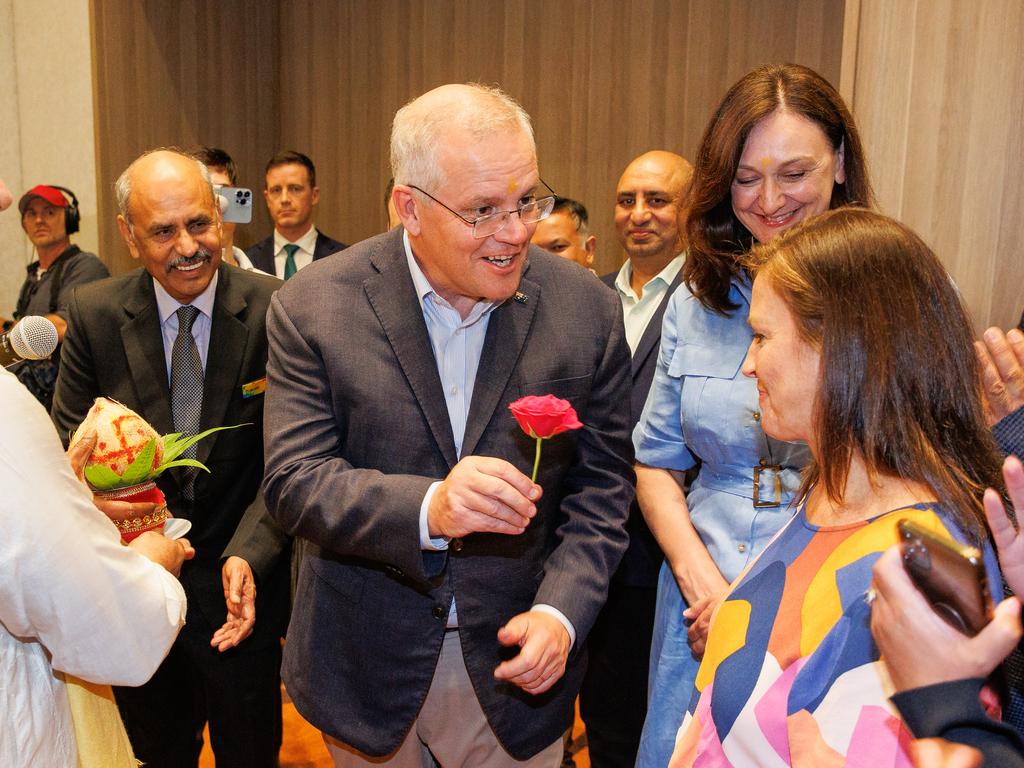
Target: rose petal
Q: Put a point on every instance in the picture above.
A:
(544, 415)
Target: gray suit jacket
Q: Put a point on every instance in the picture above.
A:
(113, 348)
(357, 430)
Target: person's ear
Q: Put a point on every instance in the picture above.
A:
(840, 176)
(590, 246)
(129, 238)
(407, 208)
(315, 196)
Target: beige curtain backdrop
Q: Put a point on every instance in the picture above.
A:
(933, 83)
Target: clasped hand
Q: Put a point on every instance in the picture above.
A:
(482, 495)
(543, 651)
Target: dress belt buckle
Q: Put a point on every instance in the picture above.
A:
(774, 469)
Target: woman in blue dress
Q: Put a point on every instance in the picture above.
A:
(781, 147)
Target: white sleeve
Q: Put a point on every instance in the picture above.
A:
(105, 613)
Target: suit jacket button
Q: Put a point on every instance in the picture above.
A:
(455, 545)
(438, 611)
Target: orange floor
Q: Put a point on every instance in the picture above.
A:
(303, 747)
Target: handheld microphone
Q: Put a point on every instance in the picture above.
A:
(31, 338)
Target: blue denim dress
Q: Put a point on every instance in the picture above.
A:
(701, 408)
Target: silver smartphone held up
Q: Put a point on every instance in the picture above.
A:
(235, 204)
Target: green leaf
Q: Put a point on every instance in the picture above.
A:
(142, 467)
(180, 463)
(175, 448)
(102, 478)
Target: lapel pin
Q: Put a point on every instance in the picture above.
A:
(520, 297)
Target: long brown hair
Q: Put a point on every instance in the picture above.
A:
(900, 383)
(716, 236)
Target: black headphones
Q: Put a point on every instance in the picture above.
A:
(71, 215)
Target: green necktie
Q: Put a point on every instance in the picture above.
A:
(289, 262)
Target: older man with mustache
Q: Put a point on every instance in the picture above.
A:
(182, 341)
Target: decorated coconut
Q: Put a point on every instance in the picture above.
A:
(128, 457)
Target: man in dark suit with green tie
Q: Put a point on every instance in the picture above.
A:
(292, 196)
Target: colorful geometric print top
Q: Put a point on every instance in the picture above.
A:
(791, 675)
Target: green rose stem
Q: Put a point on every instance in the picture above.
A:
(536, 461)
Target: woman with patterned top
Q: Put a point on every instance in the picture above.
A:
(781, 148)
(862, 349)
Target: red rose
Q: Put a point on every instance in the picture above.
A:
(544, 416)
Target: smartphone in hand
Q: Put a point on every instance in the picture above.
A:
(235, 204)
(949, 574)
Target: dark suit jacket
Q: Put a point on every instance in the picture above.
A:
(640, 564)
(356, 433)
(113, 348)
(262, 254)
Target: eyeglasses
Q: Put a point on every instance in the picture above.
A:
(492, 223)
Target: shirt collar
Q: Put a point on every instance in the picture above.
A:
(306, 243)
(666, 276)
(424, 289)
(167, 305)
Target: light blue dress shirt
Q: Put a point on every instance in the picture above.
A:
(701, 408)
(167, 307)
(457, 346)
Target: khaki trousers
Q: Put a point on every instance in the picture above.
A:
(451, 730)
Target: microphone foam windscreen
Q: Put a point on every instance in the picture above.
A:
(33, 338)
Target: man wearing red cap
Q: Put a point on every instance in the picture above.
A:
(49, 218)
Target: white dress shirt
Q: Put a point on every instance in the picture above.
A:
(637, 311)
(303, 256)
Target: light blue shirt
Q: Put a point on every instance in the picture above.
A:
(167, 307)
(457, 345)
(702, 408)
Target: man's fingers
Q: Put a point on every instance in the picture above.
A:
(187, 549)
(891, 582)
(493, 506)
(1003, 633)
(499, 468)
(236, 580)
(1002, 529)
(79, 453)
(501, 495)
(1004, 357)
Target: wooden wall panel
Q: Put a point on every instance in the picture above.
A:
(182, 74)
(939, 95)
(603, 81)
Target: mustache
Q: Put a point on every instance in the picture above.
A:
(201, 254)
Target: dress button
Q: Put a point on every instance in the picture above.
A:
(757, 415)
(455, 545)
(438, 611)
(742, 547)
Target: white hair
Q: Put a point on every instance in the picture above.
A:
(418, 127)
